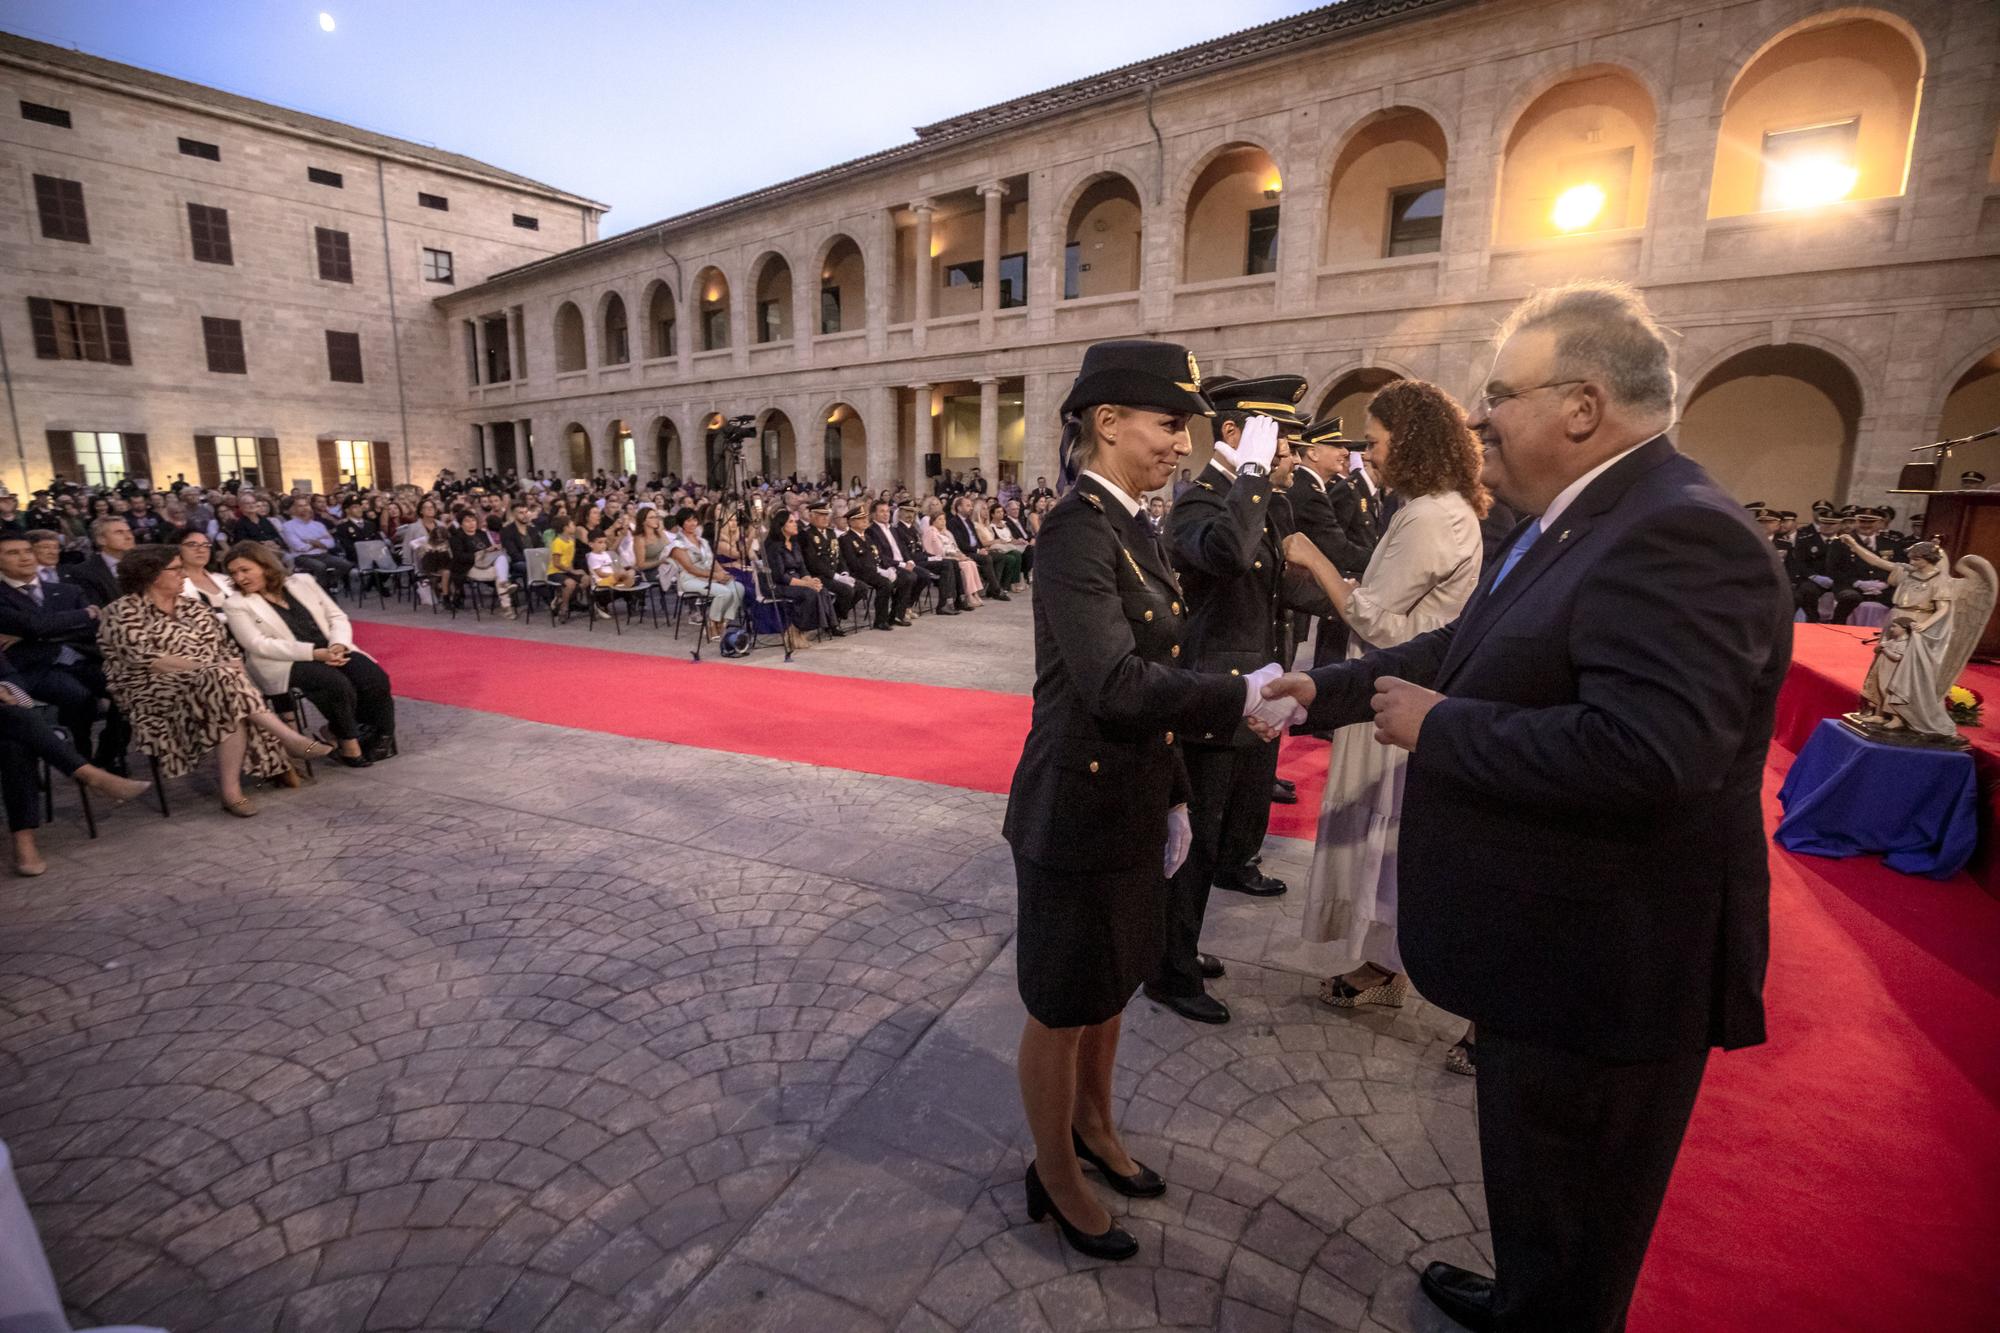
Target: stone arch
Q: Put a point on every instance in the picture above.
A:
(715, 467)
(845, 444)
(842, 266)
(710, 298)
(1546, 189)
(1776, 422)
(1971, 404)
(662, 335)
(1104, 236)
(621, 447)
(1395, 149)
(1219, 193)
(568, 329)
(771, 298)
(576, 450)
(1843, 86)
(614, 330)
(777, 453)
(664, 439)
(1348, 392)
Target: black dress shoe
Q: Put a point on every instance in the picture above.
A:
(999, 596)
(836, 631)
(1209, 965)
(947, 611)
(883, 624)
(1116, 1243)
(1287, 784)
(1464, 1295)
(351, 760)
(1252, 881)
(1198, 1007)
(1283, 795)
(904, 620)
(1143, 1184)
(965, 603)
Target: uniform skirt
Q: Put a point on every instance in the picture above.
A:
(1088, 939)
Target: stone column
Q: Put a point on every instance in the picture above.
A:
(524, 447)
(479, 349)
(1041, 431)
(480, 441)
(517, 341)
(995, 195)
(920, 311)
(922, 435)
(989, 433)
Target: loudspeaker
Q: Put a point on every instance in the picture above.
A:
(933, 464)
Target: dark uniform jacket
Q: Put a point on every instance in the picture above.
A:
(1315, 511)
(1225, 538)
(1102, 762)
(822, 554)
(857, 554)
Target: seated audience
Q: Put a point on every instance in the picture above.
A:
(808, 605)
(110, 538)
(937, 571)
(211, 586)
(181, 682)
(940, 545)
(696, 571)
(476, 556)
(999, 545)
(894, 588)
(965, 532)
(48, 548)
(312, 546)
(295, 637)
(27, 740)
(55, 650)
(565, 574)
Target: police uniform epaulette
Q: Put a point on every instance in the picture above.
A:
(1204, 485)
(1091, 499)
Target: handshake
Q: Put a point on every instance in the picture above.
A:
(1275, 699)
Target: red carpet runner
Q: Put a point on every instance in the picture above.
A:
(1844, 1176)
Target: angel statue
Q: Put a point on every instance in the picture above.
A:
(1935, 621)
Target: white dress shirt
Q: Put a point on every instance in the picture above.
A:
(1568, 494)
(895, 551)
(1117, 491)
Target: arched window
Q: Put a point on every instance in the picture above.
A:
(1578, 160)
(1386, 195)
(778, 446)
(1231, 226)
(714, 293)
(846, 442)
(1102, 252)
(843, 287)
(617, 333)
(577, 441)
(569, 338)
(661, 316)
(774, 299)
(1776, 424)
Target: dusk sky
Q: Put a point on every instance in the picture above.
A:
(653, 108)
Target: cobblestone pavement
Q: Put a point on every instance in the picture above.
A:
(538, 1030)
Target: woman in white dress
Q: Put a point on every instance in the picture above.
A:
(1419, 579)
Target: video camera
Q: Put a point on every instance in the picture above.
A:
(735, 431)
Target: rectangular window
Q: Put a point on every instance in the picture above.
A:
(196, 148)
(968, 274)
(829, 310)
(236, 456)
(70, 331)
(357, 463)
(526, 223)
(101, 456)
(343, 357)
(437, 201)
(60, 203)
(663, 339)
(321, 176)
(767, 321)
(47, 115)
(714, 329)
(336, 262)
(208, 228)
(1262, 256)
(437, 265)
(1013, 280)
(1416, 220)
(223, 340)
(1807, 166)
(1072, 271)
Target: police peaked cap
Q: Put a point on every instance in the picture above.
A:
(1274, 396)
(1138, 373)
(1327, 430)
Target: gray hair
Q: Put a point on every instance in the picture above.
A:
(100, 526)
(1605, 334)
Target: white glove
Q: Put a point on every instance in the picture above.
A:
(1258, 444)
(1254, 683)
(1276, 714)
(1871, 586)
(1180, 837)
(1821, 579)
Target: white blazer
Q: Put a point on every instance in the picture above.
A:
(268, 646)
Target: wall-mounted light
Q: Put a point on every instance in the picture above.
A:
(1272, 187)
(1820, 178)
(1577, 207)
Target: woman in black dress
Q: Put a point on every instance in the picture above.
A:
(1097, 814)
(803, 594)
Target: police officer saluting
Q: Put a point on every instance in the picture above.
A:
(1226, 536)
(1097, 816)
(1333, 518)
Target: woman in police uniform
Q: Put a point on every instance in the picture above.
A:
(1097, 814)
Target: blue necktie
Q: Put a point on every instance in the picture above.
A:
(1515, 552)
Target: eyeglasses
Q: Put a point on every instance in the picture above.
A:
(1487, 400)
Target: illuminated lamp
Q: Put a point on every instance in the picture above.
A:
(1272, 187)
(1808, 181)
(1577, 207)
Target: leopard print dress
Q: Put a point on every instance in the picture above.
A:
(178, 718)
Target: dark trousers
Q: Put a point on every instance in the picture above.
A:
(1577, 1151)
(1847, 598)
(894, 589)
(1247, 817)
(355, 693)
(1221, 778)
(983, 562)
(945, 574)
(323, 566)
(25, 740)
(74, 691)
(844, 597)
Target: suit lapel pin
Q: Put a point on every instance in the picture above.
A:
(1563, 537)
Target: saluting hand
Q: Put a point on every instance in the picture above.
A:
(1400, 710)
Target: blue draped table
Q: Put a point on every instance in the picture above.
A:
(1849, 796)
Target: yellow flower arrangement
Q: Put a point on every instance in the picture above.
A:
(1963, 703)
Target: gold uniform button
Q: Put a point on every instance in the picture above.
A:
(1234, 672)
(1177, 608)
(1149, 615)
(1256, 564)
(1177, 650)
(1170, 738)
(1256, 499)
(1093, 765)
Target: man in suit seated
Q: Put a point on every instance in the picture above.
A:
(893, 587)
(941, 574)
(97, 576)
(893, 556)
(1582, 861)
(48, 548)
(960, 525)
(55, 650)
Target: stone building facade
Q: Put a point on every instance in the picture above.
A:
(194, 282)
(1809, 195)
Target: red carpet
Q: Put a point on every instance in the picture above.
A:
(1843, 1176)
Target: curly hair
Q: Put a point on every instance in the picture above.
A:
(138, 567)
(1431, 449)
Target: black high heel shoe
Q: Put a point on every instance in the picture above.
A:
(1143, 1184)
(1114, 1244)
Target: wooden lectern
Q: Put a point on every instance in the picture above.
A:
(1964, 523)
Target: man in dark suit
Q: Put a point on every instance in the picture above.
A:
(893, 587)
(55, 650)
(942, 573)
(97, 575)
(820, 547)
(959, 524)
(1582, 858)
(893, 557)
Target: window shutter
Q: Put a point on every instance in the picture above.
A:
(384, 479)
(207, 471)
(329, 466)
(43, 317)
(62, 456)
(138, 459)
(270, 467)
(118, 346)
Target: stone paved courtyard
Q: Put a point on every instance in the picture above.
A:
(533, 1029)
